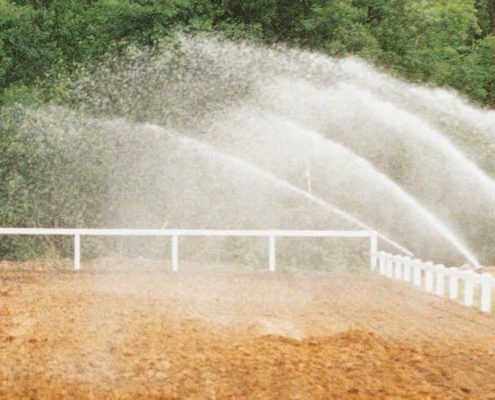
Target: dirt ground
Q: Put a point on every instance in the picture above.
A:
(218, 333)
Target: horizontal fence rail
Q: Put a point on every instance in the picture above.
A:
(438, 279)
(433, 278)
(176, 233)
(182, 232)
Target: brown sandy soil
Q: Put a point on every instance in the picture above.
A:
(222, 333)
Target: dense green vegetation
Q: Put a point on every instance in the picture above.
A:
(445, 42)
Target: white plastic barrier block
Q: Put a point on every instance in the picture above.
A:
(406, 269)
(390, 266)
(398, 267)
(487, 286)
(429, 269)
(469, 278)
(417, 268)
(453, 274)
(440, 280)
(373, 261)
(382, 262)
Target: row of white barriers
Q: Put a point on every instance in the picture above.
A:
(438, 279)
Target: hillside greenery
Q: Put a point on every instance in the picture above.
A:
(447, 43)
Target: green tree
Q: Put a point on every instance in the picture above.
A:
(27, 53)
(439, 41)
(338, 27)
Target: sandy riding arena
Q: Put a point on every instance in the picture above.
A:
(231, 333)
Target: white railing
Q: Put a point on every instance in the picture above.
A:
(439, 280)
(176, 233)
(435, 279)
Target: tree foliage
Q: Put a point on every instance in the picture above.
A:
(445, 42)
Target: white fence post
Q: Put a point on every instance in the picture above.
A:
(77, 251)
(406, 269)
(417, 272)
(390, 266)
(469, 278)
(271, 256)
(175, 253)
(453, 283)
(429, 276)
(373, 250)
(487, 283)
(440, 280)
(398, 267)
(382, 262)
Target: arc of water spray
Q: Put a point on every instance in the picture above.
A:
(401, 193)
(435, 138)
(436, 222)
(281, 183)
(292, 188)
(429, 134)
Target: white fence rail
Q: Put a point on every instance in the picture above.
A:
(175, 234)
(433, 278)
(438, 279)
